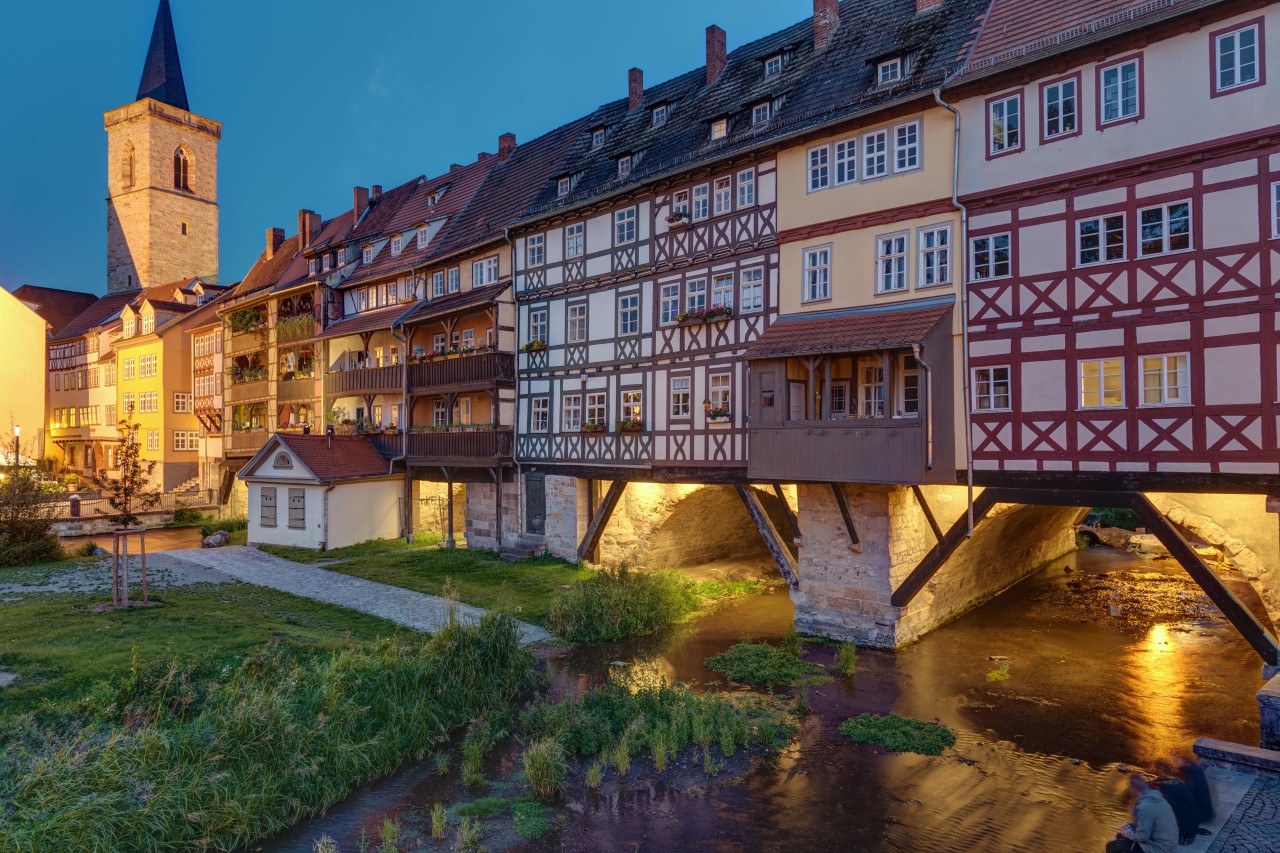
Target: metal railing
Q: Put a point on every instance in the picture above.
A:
(95, 506)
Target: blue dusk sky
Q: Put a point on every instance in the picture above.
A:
(315, 97)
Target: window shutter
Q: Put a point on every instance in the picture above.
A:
(298, 508)
(268, 504)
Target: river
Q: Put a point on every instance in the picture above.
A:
(1039, 762)
(158, 539)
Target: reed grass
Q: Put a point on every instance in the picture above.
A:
(438, 826)
(761, 663)
(846, 659)
(545, 766)
(899, 734)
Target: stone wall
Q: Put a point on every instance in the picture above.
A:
(482, 515)
(430, 507)
(98, 525)
(845, 590)
(567, 516)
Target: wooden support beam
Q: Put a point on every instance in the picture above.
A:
(938, 555)
(837, 490)
(792, 521)
(600, 518)
(1235, 611)
(928, 513)
(781, 555)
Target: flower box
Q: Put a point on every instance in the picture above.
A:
(592, 428)
(677, 220)
(719, 419)
(716, 313)
(630, 426)
(534, 346)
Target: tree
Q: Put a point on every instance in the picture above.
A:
(28, 507)
(130, 492)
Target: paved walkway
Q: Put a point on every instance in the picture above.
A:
(405, 607)
(1254, 825)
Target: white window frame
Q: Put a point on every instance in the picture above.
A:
(695, 294)
(1113, 92)
(595, 408)
(1165, 366)
(624, 167)
(720, 390)
(873, 389)
(439, 414)
(576, 323)
(1275, 209)
(539, 324)
(722, 196)
(1004, 124)
(397, 244)
(746, 188)
(933, 255)
(632, 405)
(571, 413)
(562, 187)
(819, 168)
(681, 396)
(889, 71)
(751, 290)
(773, 66)
(597, 138)
(455, 279)
(680, 202)
(701, 203)
(575, 240)
(182, 402)
(905, 366)
(539, 414)
(629, 314)
(1108, 368)
(1167, 240)
(906, 147)
(153, 439)
(1054, 95)
(311, 266)
(1106, 226)
(437, 283)
(845, 159)
(761, 113)
(987, 383)
(669, 303)
(1236, 65)
(722, 290)
(423, 237)
(891, 262)
(992, 266)
(719, 129)
(875, 154)
(659, 115)
(816, 285)
(366, 255)
(624, 226)
(148, 323)
(536, 250)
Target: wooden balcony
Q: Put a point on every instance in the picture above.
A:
(247, 342)
(297, 389)
(245, 442)
(364, 380)
(477, 448)
(855, 450)
(243, 391)
(208, 405)
(478, 370)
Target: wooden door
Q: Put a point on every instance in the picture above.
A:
(535, 503)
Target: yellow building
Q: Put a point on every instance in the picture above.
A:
(22, 384)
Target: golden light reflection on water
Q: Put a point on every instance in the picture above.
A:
(1157, 675)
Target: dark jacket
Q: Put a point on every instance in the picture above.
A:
(1185, 808)
(1193, 776)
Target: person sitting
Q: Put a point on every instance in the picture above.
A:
(1185, 809)
(1193, 776)
(1154, 830)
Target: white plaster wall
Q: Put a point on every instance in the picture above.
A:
(363, 510)
(310, 536)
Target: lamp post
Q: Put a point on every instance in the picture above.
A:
(17, 430)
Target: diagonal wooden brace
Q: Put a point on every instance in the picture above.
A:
(938, 555)
(600, 519)
(781, 554)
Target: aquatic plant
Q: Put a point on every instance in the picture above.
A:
(481, 808)
(899, 734)
(801, 703)
(620, 756)
(791, 642)
(594, 776)
(545, 765)
(846, 659)
(761, 663)
(442, 763)
(531, 819)
(325, 844)
(468, 838)
(1000, 673)
(390, 835)
(476, 744)
(438, 826)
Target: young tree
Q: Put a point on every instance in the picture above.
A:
(28, 507)
(130, 493)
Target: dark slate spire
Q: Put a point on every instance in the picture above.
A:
(162, 73)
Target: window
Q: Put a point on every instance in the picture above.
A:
(597, 138)
(538, 324)
(153, 439)
(130, 368)
(147, 365)
(695, 295)
(659, 116)
(562, 187)
(574, 245)
(439, 343)
(701, 202)
(267, 506)
(875, 154)
(680, 203)
(129, 404)
(1237, 56)
(181, 171)
(629, 314)
(746, 188)
(577, 332)
(991, 389)
(990, 257)
(1166, 380)
(182, 402)
(1166, 228)
(468, 340)
(311, 266)
(536, 250)
(186, 439)
(891, 263)
(326, 262)
(1100, 238)
(128, 328)
(539, 414)
(439, 414)
(148, 323)
(182, 228)
(846, 157)
(1059, 108)
(908, 390)
(751, 294)
(773, 66)
(1101, 383)
(624, 166)
(437, 283)
(149, 401)
(397, 244)
(462, 411)
(454, 277)
(819, 168)
(817, 273)
(719, 129)
(1275, 209)
(670, 303)
(722, 291)
(889, 71)
(484, 271)
(680, 397)
(632, 407)
(571, 413)
(109, 375)
(126, 165)
(297, 508)
(596, 413)
(718, 390)
(906, 147)
(624, 226)
(723, 196)
(870, 388)
(935, 256)
(1120, 96)
(111, 413)
(366, 255)
(1004, 124)
(760, 113)
(423, 236)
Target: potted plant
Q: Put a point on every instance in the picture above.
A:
(716, 414)
(593, 427)
(678, 219)
(534, 346)
(705, 315)
(629, 425)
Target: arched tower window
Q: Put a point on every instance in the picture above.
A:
(180, 171)
(126, 165)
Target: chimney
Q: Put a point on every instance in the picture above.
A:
(275, 236)
(926, 5)
(506, 145)
(359, 204)
(377, 191)
(826, 20)
(715, 52)
(635, 89)
(308, 226)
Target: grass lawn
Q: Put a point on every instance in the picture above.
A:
(58, 646)
(372, 548)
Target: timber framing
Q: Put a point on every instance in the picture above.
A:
(600, 519)
(837, 490)
(792, 521)
(774, 542)
(942, 551)
(928, 513)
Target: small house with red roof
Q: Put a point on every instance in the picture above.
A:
(321, 492)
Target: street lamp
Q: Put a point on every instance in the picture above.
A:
(17, 430)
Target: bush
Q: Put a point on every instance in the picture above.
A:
(761, 663)
(846, 660)
(186, 516)
(544, 764)
(43, 549)
(899, 734)
(619, 603)
(531, 818)
(230, 525)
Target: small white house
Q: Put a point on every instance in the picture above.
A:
(321, 492)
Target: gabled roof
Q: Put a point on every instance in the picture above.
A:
(103, 310)
(57, 307)
(162, 72)
(286, 265)
(365, 321)
(853, 330)
(340, 457)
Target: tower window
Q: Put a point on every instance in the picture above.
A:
(126, 165)
(184, 229)
(180, 171)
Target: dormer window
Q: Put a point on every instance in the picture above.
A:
(597, 138)
(148, 323)
(367, 254)
(659, 116)
(719, 129)
(773, 66)
(624, 166)
(282, 460)
(423, 236)
(311, 266)
(128, 329)
(760, 113)
(327, 262)
(397, 243)
(889, 71)
(562, 187)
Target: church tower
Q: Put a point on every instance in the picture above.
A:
(162, 203)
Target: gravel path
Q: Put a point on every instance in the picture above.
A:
(405, 607)
(95, 576)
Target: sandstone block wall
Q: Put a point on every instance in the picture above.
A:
(482, 515)
(431, 507)
(567, 516)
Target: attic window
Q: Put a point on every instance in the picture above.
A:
(719, 129)
(562, 187)
(327, 262)
(624, 166)
(760, 113)
(311, 266)
(597, 138)
(423, 237)
(367, 254)
(659, 116)
(889, 71)
(282, 460)
(397, 243)
(773, 66)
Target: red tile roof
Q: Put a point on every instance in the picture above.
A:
(366, 321)
(57, 307)
(856, 330)
(342, 457)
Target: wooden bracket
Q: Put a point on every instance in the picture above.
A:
(600, 518)
(837, 489)
(928, 513)
(792, 521)
(938, 555)
(781, 554)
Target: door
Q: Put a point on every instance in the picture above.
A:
(797, 394)
(535, 503)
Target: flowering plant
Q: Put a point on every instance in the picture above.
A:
(715, 413)
(629, 425)
(703, 315)
(534, 346)
(593, 426)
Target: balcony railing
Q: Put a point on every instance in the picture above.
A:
(242, 391)
(481, 447)
(248, 341)
(464, 370)
(363, 380)
(246, 442)
(303, 388)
